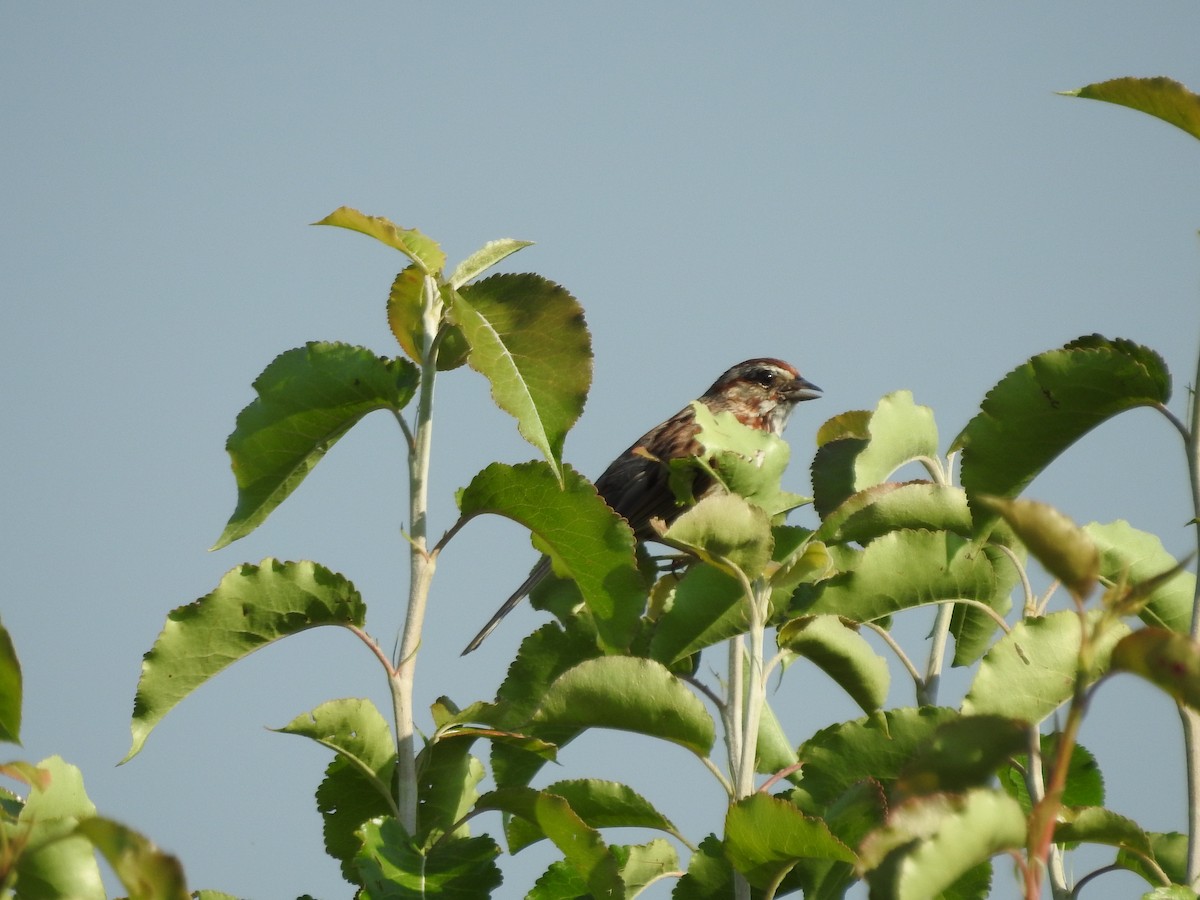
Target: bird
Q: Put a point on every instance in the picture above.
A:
(761, 393)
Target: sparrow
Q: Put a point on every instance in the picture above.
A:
(760, 393)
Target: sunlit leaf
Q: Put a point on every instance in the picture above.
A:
(10, 690)
(902, 570)
(1046, 404)
(1030, 672)
(308, 398)
(552, 817)
(146, 872)
(542, 658)
(55, 861)
(252, 606)
(1096, 825)
(726, 531)
(629, 694)
(1160, 97)
(640, 864)
(901, 432)
(1165, 658)
(392, 868)
(1061, 546)
(843, 654)
(929, 842)
(598, 804)
(448, 778)
(765, 837)
(406, 318)
(358, 781)
(748, 462)
(584, 537)
(422, 250)
(1169, 851)
(483, 259)
(356, 731)
(1133, 556)
(773, 752)
(528, 338)
(859, 450)
(892, 506)
(709, 605)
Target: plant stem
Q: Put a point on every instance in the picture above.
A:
(927, 689)
(755, 684)
(421, 565)
(1190, 719)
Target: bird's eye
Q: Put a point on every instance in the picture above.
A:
(765, 377)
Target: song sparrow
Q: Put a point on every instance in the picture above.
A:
(759, 392)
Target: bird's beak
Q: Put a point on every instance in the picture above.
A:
(803, 390)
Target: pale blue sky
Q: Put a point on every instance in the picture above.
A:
(888, 195)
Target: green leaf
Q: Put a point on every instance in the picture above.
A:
(901, 432)
(1096, 825)
(528, 338)
(542, 657)
(841, 653)
(1171, 892)
(598, 804)
(1160, 97)
(1049, 402)
(422, 250)
(1030, 672)
(725, 531)
(55, 861)
(483, 259)
(1085, 782)
(358, 782)
(773, 752)
(930, 842)
(406, 318)
(252, 606)
(1062, 547)
(307, 399)
(893, 506)
(1167, 659)
(765, 837)
(877, 747)
(583, 536)
(145, 871)
(859, 450)
(1127, 554)
(709, 875)
(628, 694)
(963, 753)
(448, 777)
(640, 865)
(392, 868)
(356, 731)
(902, 570)
(708, 605)
(559, 882)
(748, 462)
(1170, 851)
(859, 810)
(10, 690)
(552, 816)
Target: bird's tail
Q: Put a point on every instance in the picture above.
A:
(540, 571)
